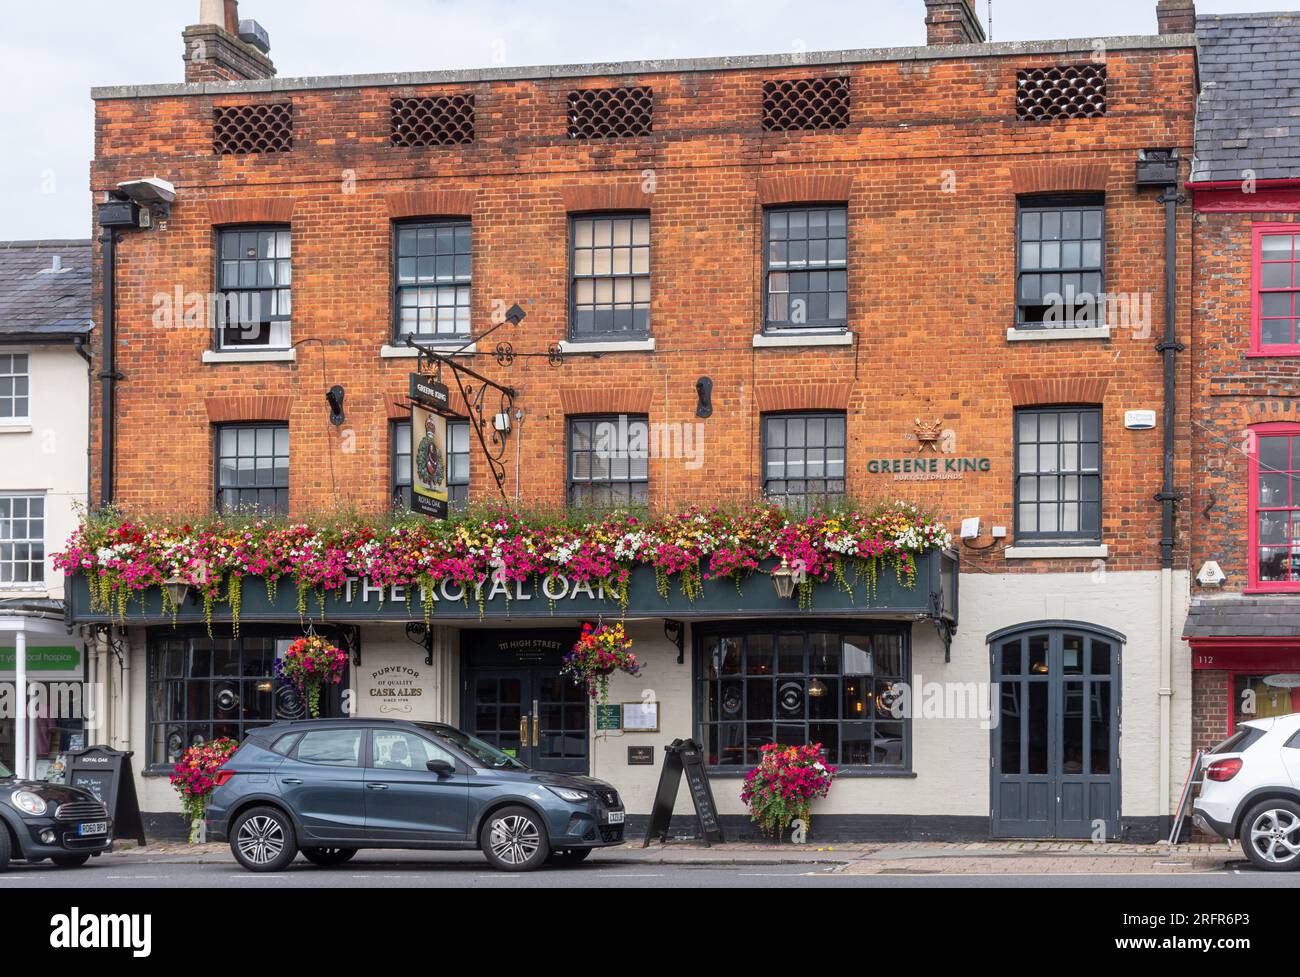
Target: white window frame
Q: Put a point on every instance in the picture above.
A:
(18, 419)
(7, 566)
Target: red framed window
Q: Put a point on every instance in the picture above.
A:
(1275, 290)
(1275, 507)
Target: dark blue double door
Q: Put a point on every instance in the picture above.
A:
(516, 699)
(1055, 759)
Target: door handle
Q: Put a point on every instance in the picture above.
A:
(523, 730)
(376, 787)
(291, 780)
(534, 730)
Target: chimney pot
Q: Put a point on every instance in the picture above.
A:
(952, 22)
(1176, 16)
(212, 12)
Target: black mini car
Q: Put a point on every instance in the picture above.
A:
(39, 820)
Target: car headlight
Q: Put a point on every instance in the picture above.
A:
(28, 803)
(568, 794)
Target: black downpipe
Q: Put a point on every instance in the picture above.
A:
(1169, 348)
(108, 375)
(83, 350)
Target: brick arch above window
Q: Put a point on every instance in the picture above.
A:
(1056, 177)
(431, 203)
(227, 410)
(575, 401)
(578, 200)
(251, 210)
(1034, 392)
(776, 190)
(774, 397)
(397, 407)
(1271, 412)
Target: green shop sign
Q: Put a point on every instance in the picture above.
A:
(61, 658)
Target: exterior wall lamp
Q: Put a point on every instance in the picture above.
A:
(783, 579)
(178, 587)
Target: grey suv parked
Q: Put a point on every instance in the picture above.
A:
(330, 787)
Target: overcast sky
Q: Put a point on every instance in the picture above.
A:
(52, 52)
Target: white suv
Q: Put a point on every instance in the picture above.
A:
(1251, 791)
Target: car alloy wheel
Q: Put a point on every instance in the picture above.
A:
(1275, 836)
(515, 839)
(261, 839)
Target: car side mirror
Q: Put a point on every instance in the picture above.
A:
(441, 767)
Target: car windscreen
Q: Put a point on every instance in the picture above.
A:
(484, 753)
(1239, 741)
(5, 772)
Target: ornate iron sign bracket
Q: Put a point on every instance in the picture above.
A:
(474, 391)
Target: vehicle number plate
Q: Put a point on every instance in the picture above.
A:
(616, 817)
(93, 828)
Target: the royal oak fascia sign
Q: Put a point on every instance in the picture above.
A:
(554, 595)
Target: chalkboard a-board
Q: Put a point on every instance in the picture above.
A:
(684, 756)
(107, 774)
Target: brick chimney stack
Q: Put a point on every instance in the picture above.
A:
(952, 22)
(1176, 16)
(215, 50)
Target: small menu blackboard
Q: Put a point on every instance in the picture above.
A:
(107, 774)
(684, 756)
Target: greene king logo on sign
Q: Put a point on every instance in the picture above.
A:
(429, 392)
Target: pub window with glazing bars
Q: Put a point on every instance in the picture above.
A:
(803, 458)
(1058, 473)
(457, 463)
(807, 267)
(1060, 262)
(254, 278)
(842, 689)
(431, 282)
(253, 467)
(609, 460)
(610, 262)
(201, 689)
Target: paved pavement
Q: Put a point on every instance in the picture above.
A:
(1053, 864)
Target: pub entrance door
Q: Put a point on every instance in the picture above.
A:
(515, 698)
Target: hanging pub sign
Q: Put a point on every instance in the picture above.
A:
(429, 491)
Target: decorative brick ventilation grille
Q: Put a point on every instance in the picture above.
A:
(1067, 91)
(806, 103)
(438, 120)
(611, 113)
(238, 130)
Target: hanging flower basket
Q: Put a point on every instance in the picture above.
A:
(194, 779)
(781, 789)
(308, 665)
(601, 650)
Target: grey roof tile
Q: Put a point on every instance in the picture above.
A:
(38, 300)
(1249, 65)
(1233, 616)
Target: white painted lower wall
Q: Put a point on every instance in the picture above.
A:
(950, 755)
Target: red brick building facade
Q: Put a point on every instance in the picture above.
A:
(949, 174)
(1246, 192)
